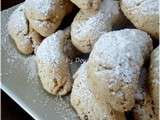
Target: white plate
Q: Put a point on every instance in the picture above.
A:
(20, 81)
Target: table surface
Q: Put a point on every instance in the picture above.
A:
(9, 3)
(11, 110)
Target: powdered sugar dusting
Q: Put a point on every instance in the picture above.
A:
(62, 104)
(20, 71)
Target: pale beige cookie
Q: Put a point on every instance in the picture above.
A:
(46, 16)
(87, 4)
(114, 66)
(53, 64)
(88, 26)
(44, 10)
(144, 14)
(84, 102)
(25, 37)
(154, 80)
(85, 30)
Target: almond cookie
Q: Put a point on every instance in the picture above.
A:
(25, 37)
(144, 14)
(114, 66)
(46, 16)
(84, 102)
(53, 64)
(88, 26)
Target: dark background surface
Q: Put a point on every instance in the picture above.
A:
(9, 3)
(9, 109)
